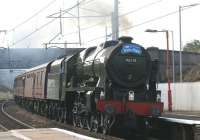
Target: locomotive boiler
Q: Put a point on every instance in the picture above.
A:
(96, 88)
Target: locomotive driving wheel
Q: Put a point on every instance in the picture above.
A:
(75, 120)
(75, 117)
(94, 123)
(88, 124)
(82, 121)
(108, 121)
(85, 121)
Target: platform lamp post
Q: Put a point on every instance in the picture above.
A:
(173, 57)
(180, 35)
(167, 66)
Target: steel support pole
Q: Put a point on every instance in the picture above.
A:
(173, 59)
(61, 30)
(78, 20)
(116, 18)
(167, 73)
(115, 21)
(180, 42)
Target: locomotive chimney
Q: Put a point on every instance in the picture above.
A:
(126, 39)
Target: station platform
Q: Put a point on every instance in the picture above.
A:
(42, 134)
(190, 115)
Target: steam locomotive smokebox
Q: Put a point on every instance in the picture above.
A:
(154, 53)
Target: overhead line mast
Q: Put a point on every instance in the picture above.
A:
(78, 20)
(115, 21)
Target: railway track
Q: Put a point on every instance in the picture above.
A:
(8, 122)
(39, 123)
(3, 128)
(171, 128)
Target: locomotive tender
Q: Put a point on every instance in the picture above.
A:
(94, 88)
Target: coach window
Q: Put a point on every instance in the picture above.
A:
(37, 79)
(41, 75)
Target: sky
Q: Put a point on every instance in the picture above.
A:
(144, 16)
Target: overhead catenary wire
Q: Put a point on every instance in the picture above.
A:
(74, 6)
(85, 28)
(126, 28)
(41, 27)
(34, 15)
(141, 8)
(91, 10)
(130, 12)
(66, 11)
(139, 24)
(28, 35)
(89, 1)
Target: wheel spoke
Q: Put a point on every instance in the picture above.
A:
(75, 120)
(94, 123)
(88, 124)
(108, 121)
(82, 122)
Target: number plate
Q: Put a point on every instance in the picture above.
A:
(131, 48)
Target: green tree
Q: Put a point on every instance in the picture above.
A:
(193, 46)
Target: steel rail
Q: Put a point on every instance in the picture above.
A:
(3, 127)
(13, 118)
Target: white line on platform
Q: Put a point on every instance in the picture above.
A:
(186, 115)
(74, 134)
(18, 135)
(182, 121)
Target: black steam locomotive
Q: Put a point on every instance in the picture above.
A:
(95, 88)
